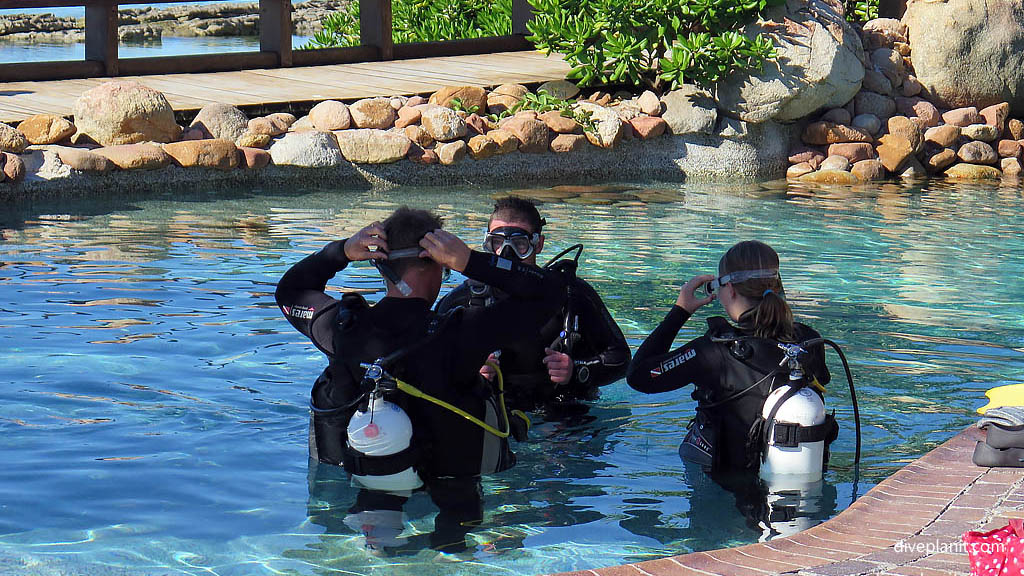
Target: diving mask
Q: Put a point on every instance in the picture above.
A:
(519, 241)
(414, 252)
(736, 277)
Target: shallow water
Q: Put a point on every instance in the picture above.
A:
(153, 401)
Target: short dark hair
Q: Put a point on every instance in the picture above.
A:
(517, 208)
(404, 228)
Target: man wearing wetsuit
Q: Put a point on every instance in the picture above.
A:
(579, 349)
(438, 354)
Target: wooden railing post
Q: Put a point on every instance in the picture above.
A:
(101, 34)
(892, 8)
(276, 29)
(521, 14)
(375, 27)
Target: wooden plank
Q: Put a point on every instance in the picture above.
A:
(101, 35)
(276, 29)
(375, 27)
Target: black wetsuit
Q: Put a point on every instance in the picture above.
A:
(599, 355)
(444, 355)
(721, 363)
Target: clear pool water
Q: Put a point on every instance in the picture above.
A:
(153, 401)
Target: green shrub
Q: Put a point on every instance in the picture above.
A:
(861, 10)
(421, 21)
(651, 42)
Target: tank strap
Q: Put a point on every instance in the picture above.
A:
(790, 435)
(364, 465)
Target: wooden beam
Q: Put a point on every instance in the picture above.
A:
(324, 56)
(375, 27)
(29, 71)
(521, 14)
(101, 35)
(276, 29)
(196, 63)
(461, 47)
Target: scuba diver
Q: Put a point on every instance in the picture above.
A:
(578, 350)
(758, 380)
(401, 404)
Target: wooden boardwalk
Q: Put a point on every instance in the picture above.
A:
(279, 86)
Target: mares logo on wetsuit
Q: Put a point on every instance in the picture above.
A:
(301, 312)
(673, 362)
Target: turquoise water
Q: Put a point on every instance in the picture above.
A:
(153, 400)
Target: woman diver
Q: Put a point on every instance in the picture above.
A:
(736, 366)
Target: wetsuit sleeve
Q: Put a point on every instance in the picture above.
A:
(657, 369)
(601, 334)
(301, 297)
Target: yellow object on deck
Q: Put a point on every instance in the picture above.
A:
(1010, 395)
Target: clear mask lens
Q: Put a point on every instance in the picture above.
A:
(520, 241)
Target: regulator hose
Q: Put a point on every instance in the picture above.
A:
(853, 392)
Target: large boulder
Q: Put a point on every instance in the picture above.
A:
(306, 149)
(442, 123)
(46, 129)
(978, 57)
(125, 112)
(369, 146)
(215, 153)
(607, 126)
(469, 96)
(819, 65)
(689, 110)
(221, 121)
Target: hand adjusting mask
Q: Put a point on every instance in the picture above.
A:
(511, 242)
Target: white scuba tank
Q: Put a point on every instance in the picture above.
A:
(805, 459)
(382, 430)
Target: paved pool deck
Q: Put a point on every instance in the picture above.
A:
(910, 524)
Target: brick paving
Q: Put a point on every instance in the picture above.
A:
(908, 525)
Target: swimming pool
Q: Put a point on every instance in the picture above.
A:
(153, 401)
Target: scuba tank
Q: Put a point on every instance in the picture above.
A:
(801, 408)
(383, 429)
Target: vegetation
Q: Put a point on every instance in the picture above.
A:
(543, 102)
(421, 21)
(861, 10)
(651, 42)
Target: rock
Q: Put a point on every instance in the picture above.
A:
(689, 110)
(823, 133)
(797, 170)
(284, 118)
(253, 158)
(562, 89)
(919, 108)
(303, 124)
(421, 156)
(941, 160)
(504, 97)
(330, 115)
(84, 160)
(837, 116)
(943, 136)
(650, 104)
(369, 146)
(866, 102)
(1016, 129)
(307, 149)
(125, 112)
(397, 102)
(868, 123)
(268, 126)
(442, 123)
(890, 63)
(375, 113)
(481, 147)
(142, 156)
(626, 110)
(913, 169)
(875, 81)
(533, 135)
(415, 101)
(477, 124)
(214, 153)
(12, 140)
(608, 127)
(13, 167)
(647, 127)
(506, 140)
(473, 98)
(250, 140)
(46, 129)
(800, 154)
(733, 129)
(407, 117)
(969, 52)
(1008, 149)
(835, 163)
(560, 124)
(419, 136)
(911, 86)
(973, 172)
(996, 115)
(893, 151)
(963, 117)
(819, 65)
(909, 130)
(883, 33)
(983, 132)
(852, 151)
(829, 177)
(194, 134)
(451, 152)
(976, 152)
(220, 121)
(902, 48)
(568, 142)
(868, 170)
(1010, 167)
